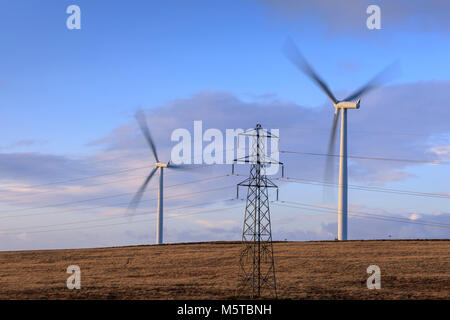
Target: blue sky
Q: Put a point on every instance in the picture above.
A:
(167, 50)
(61, 90)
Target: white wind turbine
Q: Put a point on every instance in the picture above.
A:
(159, 166)
(294, 55)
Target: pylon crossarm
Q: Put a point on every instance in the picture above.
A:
(241, 159)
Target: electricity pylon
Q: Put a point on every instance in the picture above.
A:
(256, 262)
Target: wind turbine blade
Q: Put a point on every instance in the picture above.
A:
(179, 166)
(186, 167)
(293, 54)
(140, 117)
(137, 197)
(374, 83)
(329, 166)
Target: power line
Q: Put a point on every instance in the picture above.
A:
(390, 133)
(433, 162)
(128, 179)
(363, 188)
(82, 178)
(84, 186)
(115, 217)
(123, 223)
(296, 205)
(299, 205)
(101, 175)
(102, 198)
(116, 204)
(367, 188)
(375, 214)
(91, 162)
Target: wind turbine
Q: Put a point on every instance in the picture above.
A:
(294, 55)
(159, 166)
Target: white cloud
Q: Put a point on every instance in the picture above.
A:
(443, 151)
(22, 236)
(215, 224)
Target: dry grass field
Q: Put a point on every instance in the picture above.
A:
(305, 270)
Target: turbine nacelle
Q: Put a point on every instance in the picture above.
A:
(347, 105)
(161, 165)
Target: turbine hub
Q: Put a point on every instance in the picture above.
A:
(161, 165)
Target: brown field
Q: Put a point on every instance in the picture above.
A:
(305, 270)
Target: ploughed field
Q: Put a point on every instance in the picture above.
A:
(305, 270)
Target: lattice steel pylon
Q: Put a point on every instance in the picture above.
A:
(256, 262)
